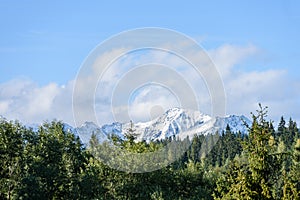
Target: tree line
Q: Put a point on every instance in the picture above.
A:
(52, 163)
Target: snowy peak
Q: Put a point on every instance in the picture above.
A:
(90, 125)
(176, 122)
(187, 118)
(86, 130)
(236, 123)
(170, 124)
(113, 129)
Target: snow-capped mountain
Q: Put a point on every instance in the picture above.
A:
(87, 129)
(172, 123)
(236, 123)
(176, 122)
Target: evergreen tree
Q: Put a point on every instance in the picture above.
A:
(11, 156)
(51, 163)
(281, 126)
(291, 189)
(257, 179)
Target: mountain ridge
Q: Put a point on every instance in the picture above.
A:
(175, 122)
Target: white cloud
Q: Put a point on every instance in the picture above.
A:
(41, 99)
(142, 107)
(25, 100)
(4, 105)
(245, 89)
(257, 83)
(227, 56)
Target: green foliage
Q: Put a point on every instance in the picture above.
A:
(53, 164)
(291, 188)
(48, 164)
(263, 173)
(11, 155)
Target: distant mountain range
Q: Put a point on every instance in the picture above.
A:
(176, 122)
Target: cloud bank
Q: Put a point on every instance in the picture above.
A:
(25, 100)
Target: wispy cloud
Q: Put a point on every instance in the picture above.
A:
(226, 57)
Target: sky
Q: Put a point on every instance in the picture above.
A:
(254, 45)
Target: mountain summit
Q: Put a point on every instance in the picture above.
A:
(176, 122)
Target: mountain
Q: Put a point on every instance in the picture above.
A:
(87, 129)
(176, 122)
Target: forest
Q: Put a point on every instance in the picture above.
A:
(52, 163)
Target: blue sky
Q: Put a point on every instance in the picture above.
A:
(46, 42)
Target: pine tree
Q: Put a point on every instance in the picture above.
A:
(291, 188)
(281, 126)
(131, 134)
(256, 180)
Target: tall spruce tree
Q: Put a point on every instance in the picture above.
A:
(255, 180)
